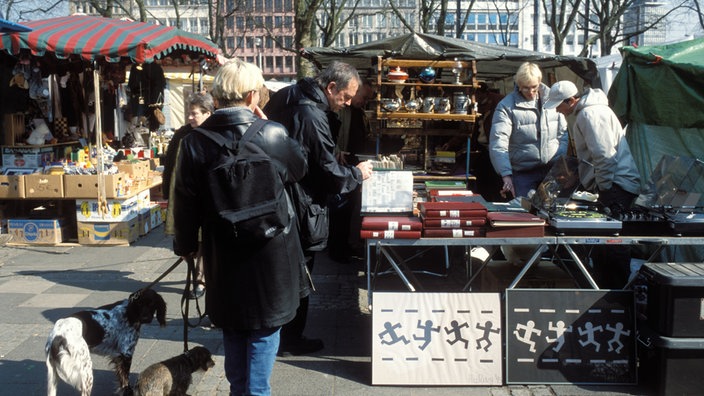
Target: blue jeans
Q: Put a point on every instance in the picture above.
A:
(526, 180)
(249, 360)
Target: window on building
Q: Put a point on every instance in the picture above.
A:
(269, 22)
(547, 39)
(288, 21)
(514, 39)
(278, 21)
(569, 40)
(230, 43)
(288, 41)
(493, 20)
(259, 5)
(269, 42)
(280, 63)
(250, 42)
(230, 22)
(269, 62)
(239, 22)
(258, 21)
(381, 20)
(268, 5)
(278, 6)
(250, 59)
(481, 22)
(289, 63)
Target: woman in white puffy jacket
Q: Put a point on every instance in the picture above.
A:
(525, 138)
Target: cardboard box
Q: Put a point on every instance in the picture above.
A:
(156, 215)
(137, 170)
(103, 233)
(12, 186)
(88, 210)
(144, 222)
(36, 231)
(86, 186)
(43, 186)
(144, 199)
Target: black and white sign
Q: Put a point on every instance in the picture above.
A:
(436, 339)
(570, 336)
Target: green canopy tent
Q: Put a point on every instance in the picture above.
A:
(659, 93)
(494, 62)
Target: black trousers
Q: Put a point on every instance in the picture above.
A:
(293, 330)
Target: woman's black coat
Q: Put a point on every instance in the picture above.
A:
(249, 286)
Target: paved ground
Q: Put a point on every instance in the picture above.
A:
(41, 284)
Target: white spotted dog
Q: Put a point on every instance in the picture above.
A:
(111, 330)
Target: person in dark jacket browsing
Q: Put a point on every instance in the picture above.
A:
(308, 111)
(253, 288)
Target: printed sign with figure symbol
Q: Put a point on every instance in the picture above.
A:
(436, 339)
(570, 336)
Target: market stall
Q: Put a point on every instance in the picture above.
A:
(64, 78)
(540, 313)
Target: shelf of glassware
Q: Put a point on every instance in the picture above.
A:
(468, 73)
(426, 116)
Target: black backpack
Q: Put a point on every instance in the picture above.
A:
(246, 187)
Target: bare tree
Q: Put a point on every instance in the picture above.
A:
(462, 24)
(507, 11)
(336, 15)
(560, 16)
(25, 10)
(695, 9)
(605, 24)
(304, 21)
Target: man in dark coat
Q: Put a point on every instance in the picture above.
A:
(308, 110)
(253, 287)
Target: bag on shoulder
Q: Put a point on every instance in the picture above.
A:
(313, 220)
(247, 190)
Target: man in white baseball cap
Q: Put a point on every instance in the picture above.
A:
(560, 91)
(606, 164)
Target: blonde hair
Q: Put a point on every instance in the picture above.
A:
(527, 72)
(234, 81)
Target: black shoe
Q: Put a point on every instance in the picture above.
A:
(301, 346)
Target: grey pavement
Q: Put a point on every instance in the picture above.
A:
(38, 285)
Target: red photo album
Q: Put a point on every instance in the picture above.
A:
(400, 223)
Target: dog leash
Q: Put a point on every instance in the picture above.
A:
(184, 296)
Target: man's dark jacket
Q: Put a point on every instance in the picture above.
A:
(250, 286)
(303, 109)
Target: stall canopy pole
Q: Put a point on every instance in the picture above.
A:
(99, 141)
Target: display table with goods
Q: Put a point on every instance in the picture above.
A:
(66, 202)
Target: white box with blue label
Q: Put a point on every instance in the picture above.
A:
(114, 210)
(36, 231)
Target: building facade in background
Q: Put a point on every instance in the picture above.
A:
(262, 31)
